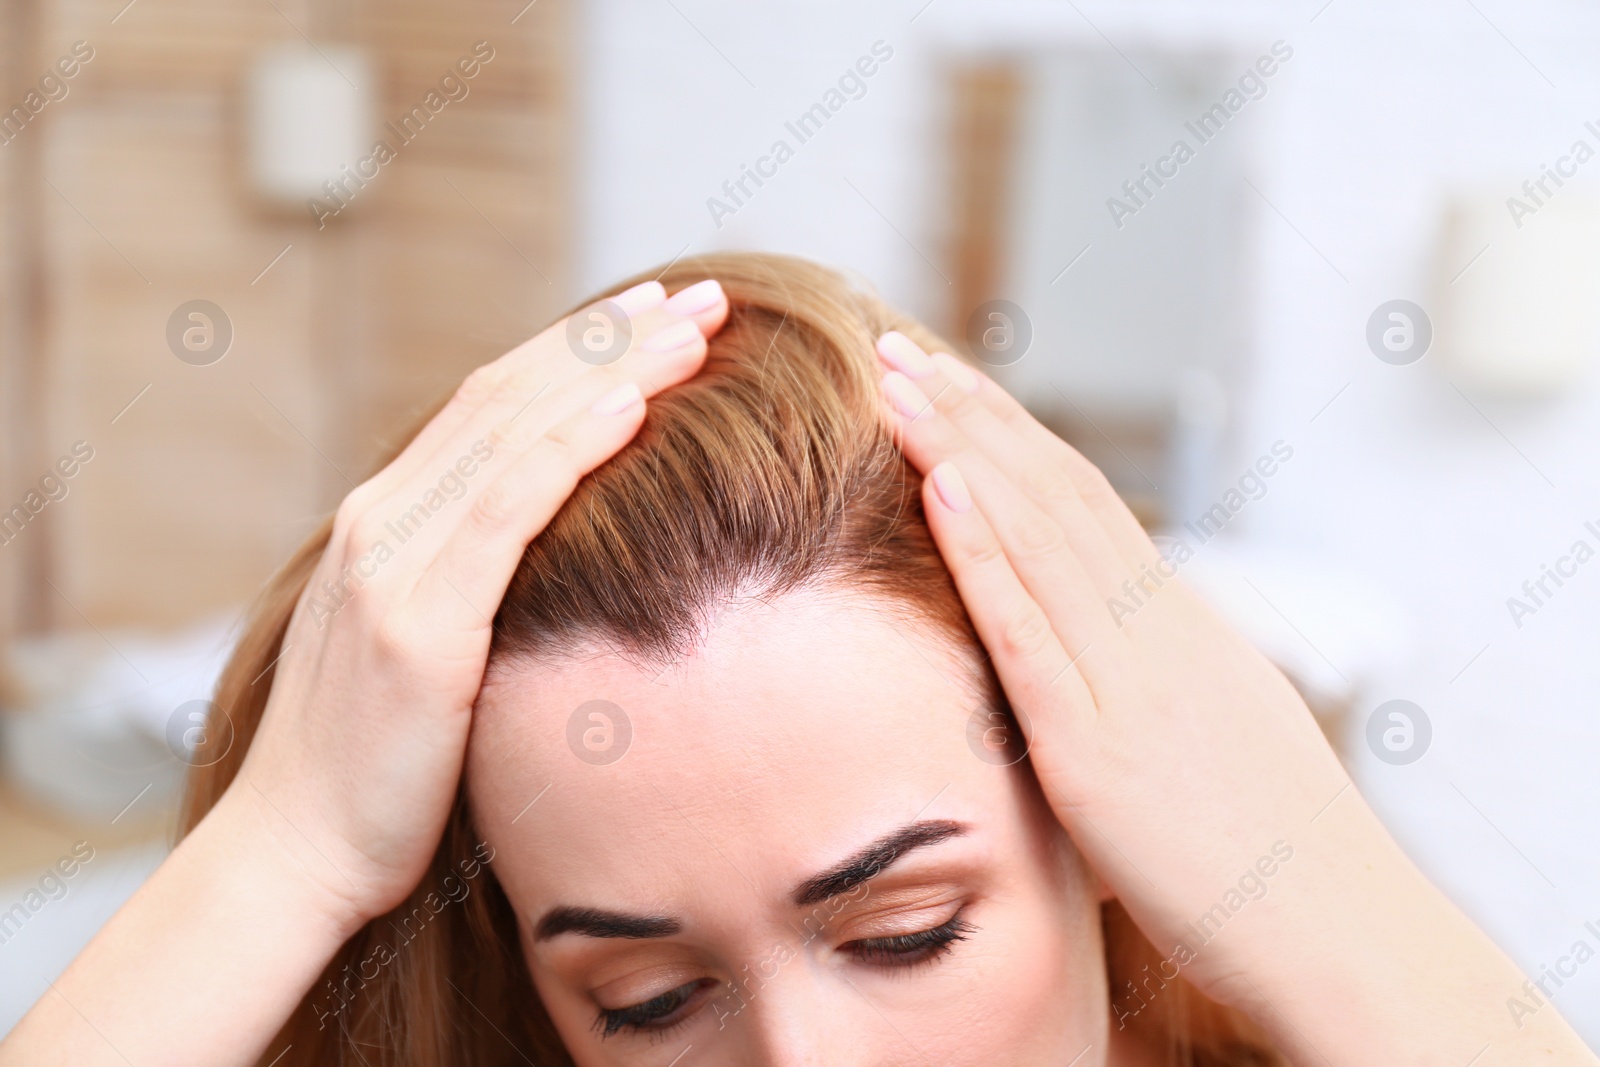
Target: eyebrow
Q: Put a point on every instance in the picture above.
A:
(842, 877)
(872, 860)
(592, 922)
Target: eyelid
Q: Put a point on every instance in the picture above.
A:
(898, 912)
(642, 985)
(905, 952)
(612, 1021)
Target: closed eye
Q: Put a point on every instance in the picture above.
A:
(659, 1013)
(910, 950)
(675, 1006)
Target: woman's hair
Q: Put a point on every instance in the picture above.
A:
(769, 469)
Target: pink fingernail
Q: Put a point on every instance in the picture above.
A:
(965, 377)
(641, 297)
(951, 487)
(695, 298)
(904, 355)
(675, 336)
(618, 400)
(903, 393)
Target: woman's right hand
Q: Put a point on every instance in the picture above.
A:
(342, 797)
(353, 770)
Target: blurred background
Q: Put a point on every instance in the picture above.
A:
(1314, 282)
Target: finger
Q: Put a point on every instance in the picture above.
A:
(1036, 548)
(1040, 462)
(468, 577)
(1036, 670)
(670, 349)
(1120, 524)
(425, 510)
(1042, 542)
(484, 381)
(1037, 470)
(703, 303)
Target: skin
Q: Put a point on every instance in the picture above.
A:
(1172, 754)
(749, 772)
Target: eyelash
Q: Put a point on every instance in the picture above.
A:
(648, 1015)
(910, 950)
(902, 951)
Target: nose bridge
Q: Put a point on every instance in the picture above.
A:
(797, 1012)
(787, 1011)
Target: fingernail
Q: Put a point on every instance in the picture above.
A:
(903, 393)
(695, 298)
(904, 355)
(618, 400)
(965, 377)
(675, 336)
(641, 297)
(951, 487)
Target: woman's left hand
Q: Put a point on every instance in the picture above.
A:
(1184, 765)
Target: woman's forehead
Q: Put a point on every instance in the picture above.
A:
(796, 719)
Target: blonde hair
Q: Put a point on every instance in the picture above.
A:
(768, 469)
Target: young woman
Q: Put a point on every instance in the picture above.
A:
(778, 719)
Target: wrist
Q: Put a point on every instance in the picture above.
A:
(263, 846)
(1362, 959)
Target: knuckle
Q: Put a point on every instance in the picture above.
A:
(514, 434)
(1094, 486)
(478, 386)
(495, 508)
(984, 551)
(361, 534)
(557, 454)
(357, 501)
(1025, 634)
(517, 383)
(1038, 537)
(349, 512)
(953, 402)
(392, 637)
(1049, 485)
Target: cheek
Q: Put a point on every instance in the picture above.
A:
(1041, 996)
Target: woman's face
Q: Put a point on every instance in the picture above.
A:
(783, 849)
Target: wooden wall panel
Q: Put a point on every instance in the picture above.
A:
(455, 251)
(184, 506)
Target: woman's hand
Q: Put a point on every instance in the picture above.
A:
(1184, 765)
(357, 759)
(340, 802)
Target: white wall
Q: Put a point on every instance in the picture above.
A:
(667, 119)
(1391, 108)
